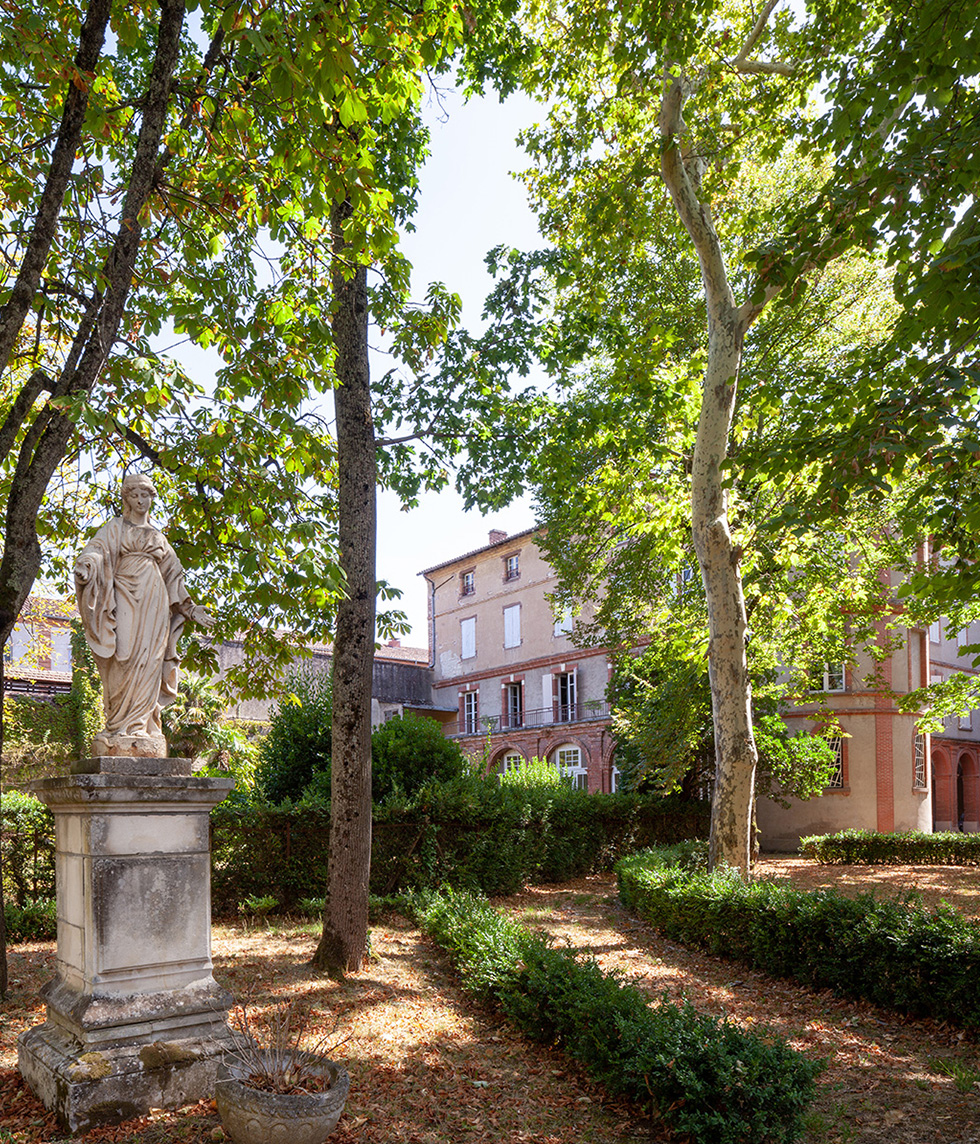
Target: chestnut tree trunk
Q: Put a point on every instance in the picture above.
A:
(343, 941)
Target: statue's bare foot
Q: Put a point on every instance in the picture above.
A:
(136, 746)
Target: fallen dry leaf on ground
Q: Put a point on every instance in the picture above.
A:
(428, 1066)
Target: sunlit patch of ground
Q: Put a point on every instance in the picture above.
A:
(888, 1080)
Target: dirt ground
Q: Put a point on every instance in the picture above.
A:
(888, 1079)
(430, 1067)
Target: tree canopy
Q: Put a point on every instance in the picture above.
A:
(171, 173)
(792, 144)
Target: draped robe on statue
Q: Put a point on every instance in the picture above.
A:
(131, 587)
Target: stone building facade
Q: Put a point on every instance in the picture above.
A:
(509, 682)
(507, 677)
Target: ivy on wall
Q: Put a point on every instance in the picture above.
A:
(42, 737)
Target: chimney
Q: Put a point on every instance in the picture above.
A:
(496, 535)
(394, 643)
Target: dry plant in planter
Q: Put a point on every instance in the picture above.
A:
(276, 1092)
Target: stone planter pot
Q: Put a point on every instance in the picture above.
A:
(253, 1116)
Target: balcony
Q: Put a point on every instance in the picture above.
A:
(587, 711)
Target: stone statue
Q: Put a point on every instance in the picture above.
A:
(130, 591)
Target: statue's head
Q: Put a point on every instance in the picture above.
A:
(136, 482)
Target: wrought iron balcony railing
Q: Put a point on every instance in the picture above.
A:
(583, 712)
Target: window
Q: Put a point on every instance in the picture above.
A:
(836, 780)
(512, 566)
(512, 761)
(829, 678)
(512, 626)
(19, 646)
(467, 635)
(919, 763)
(569, 761)
(467, 583)
(61, 649)
(565, 706)
(514, 705)
(935, 635)
(471, 712)
(564, 623)
(614, 780)
(966, 721)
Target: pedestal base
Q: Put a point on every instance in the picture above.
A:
(135, 1019)
(86, 1086)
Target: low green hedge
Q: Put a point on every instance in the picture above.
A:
(868, 848)
(891, 952)
(27, 844)
(471, 834)
(705, 1078)
(35, 921)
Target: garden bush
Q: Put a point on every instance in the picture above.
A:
(297, 749)
(407, 753)
(705, 1078)
(27, 840)
(471, 833)
(869, 848)
(891, 952)
(34, 921)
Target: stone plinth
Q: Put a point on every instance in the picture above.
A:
(135, 1019)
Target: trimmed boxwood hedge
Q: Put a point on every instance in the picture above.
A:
(869, 848)
(891, 952)
(708, 1081)
(471, 834)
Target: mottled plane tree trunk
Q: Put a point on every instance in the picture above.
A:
(719, 558)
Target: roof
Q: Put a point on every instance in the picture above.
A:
(486, 548)
(25, 671)
(418, 655)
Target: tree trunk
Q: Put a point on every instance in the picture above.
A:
(46, 440)
(3, 923)
(731, 700)
(343, 942)
(731, 693)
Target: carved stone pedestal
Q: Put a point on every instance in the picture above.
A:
(134, 1018)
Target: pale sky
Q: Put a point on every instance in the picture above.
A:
(468, 203)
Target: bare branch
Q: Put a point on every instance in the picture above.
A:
(760, 67)
(37, 382)
(743, 64)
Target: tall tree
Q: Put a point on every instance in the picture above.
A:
(670, 96)
(146, 180)
(344, 938)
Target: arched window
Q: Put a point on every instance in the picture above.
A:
(568, 759)
(510, 761)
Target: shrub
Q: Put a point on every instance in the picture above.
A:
(531, 773)
(28, 848)
(407, 753)
(868, 848)
(34, 921)
(704, 1077)
(297, 748)
(890, 952)
(471, 833)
